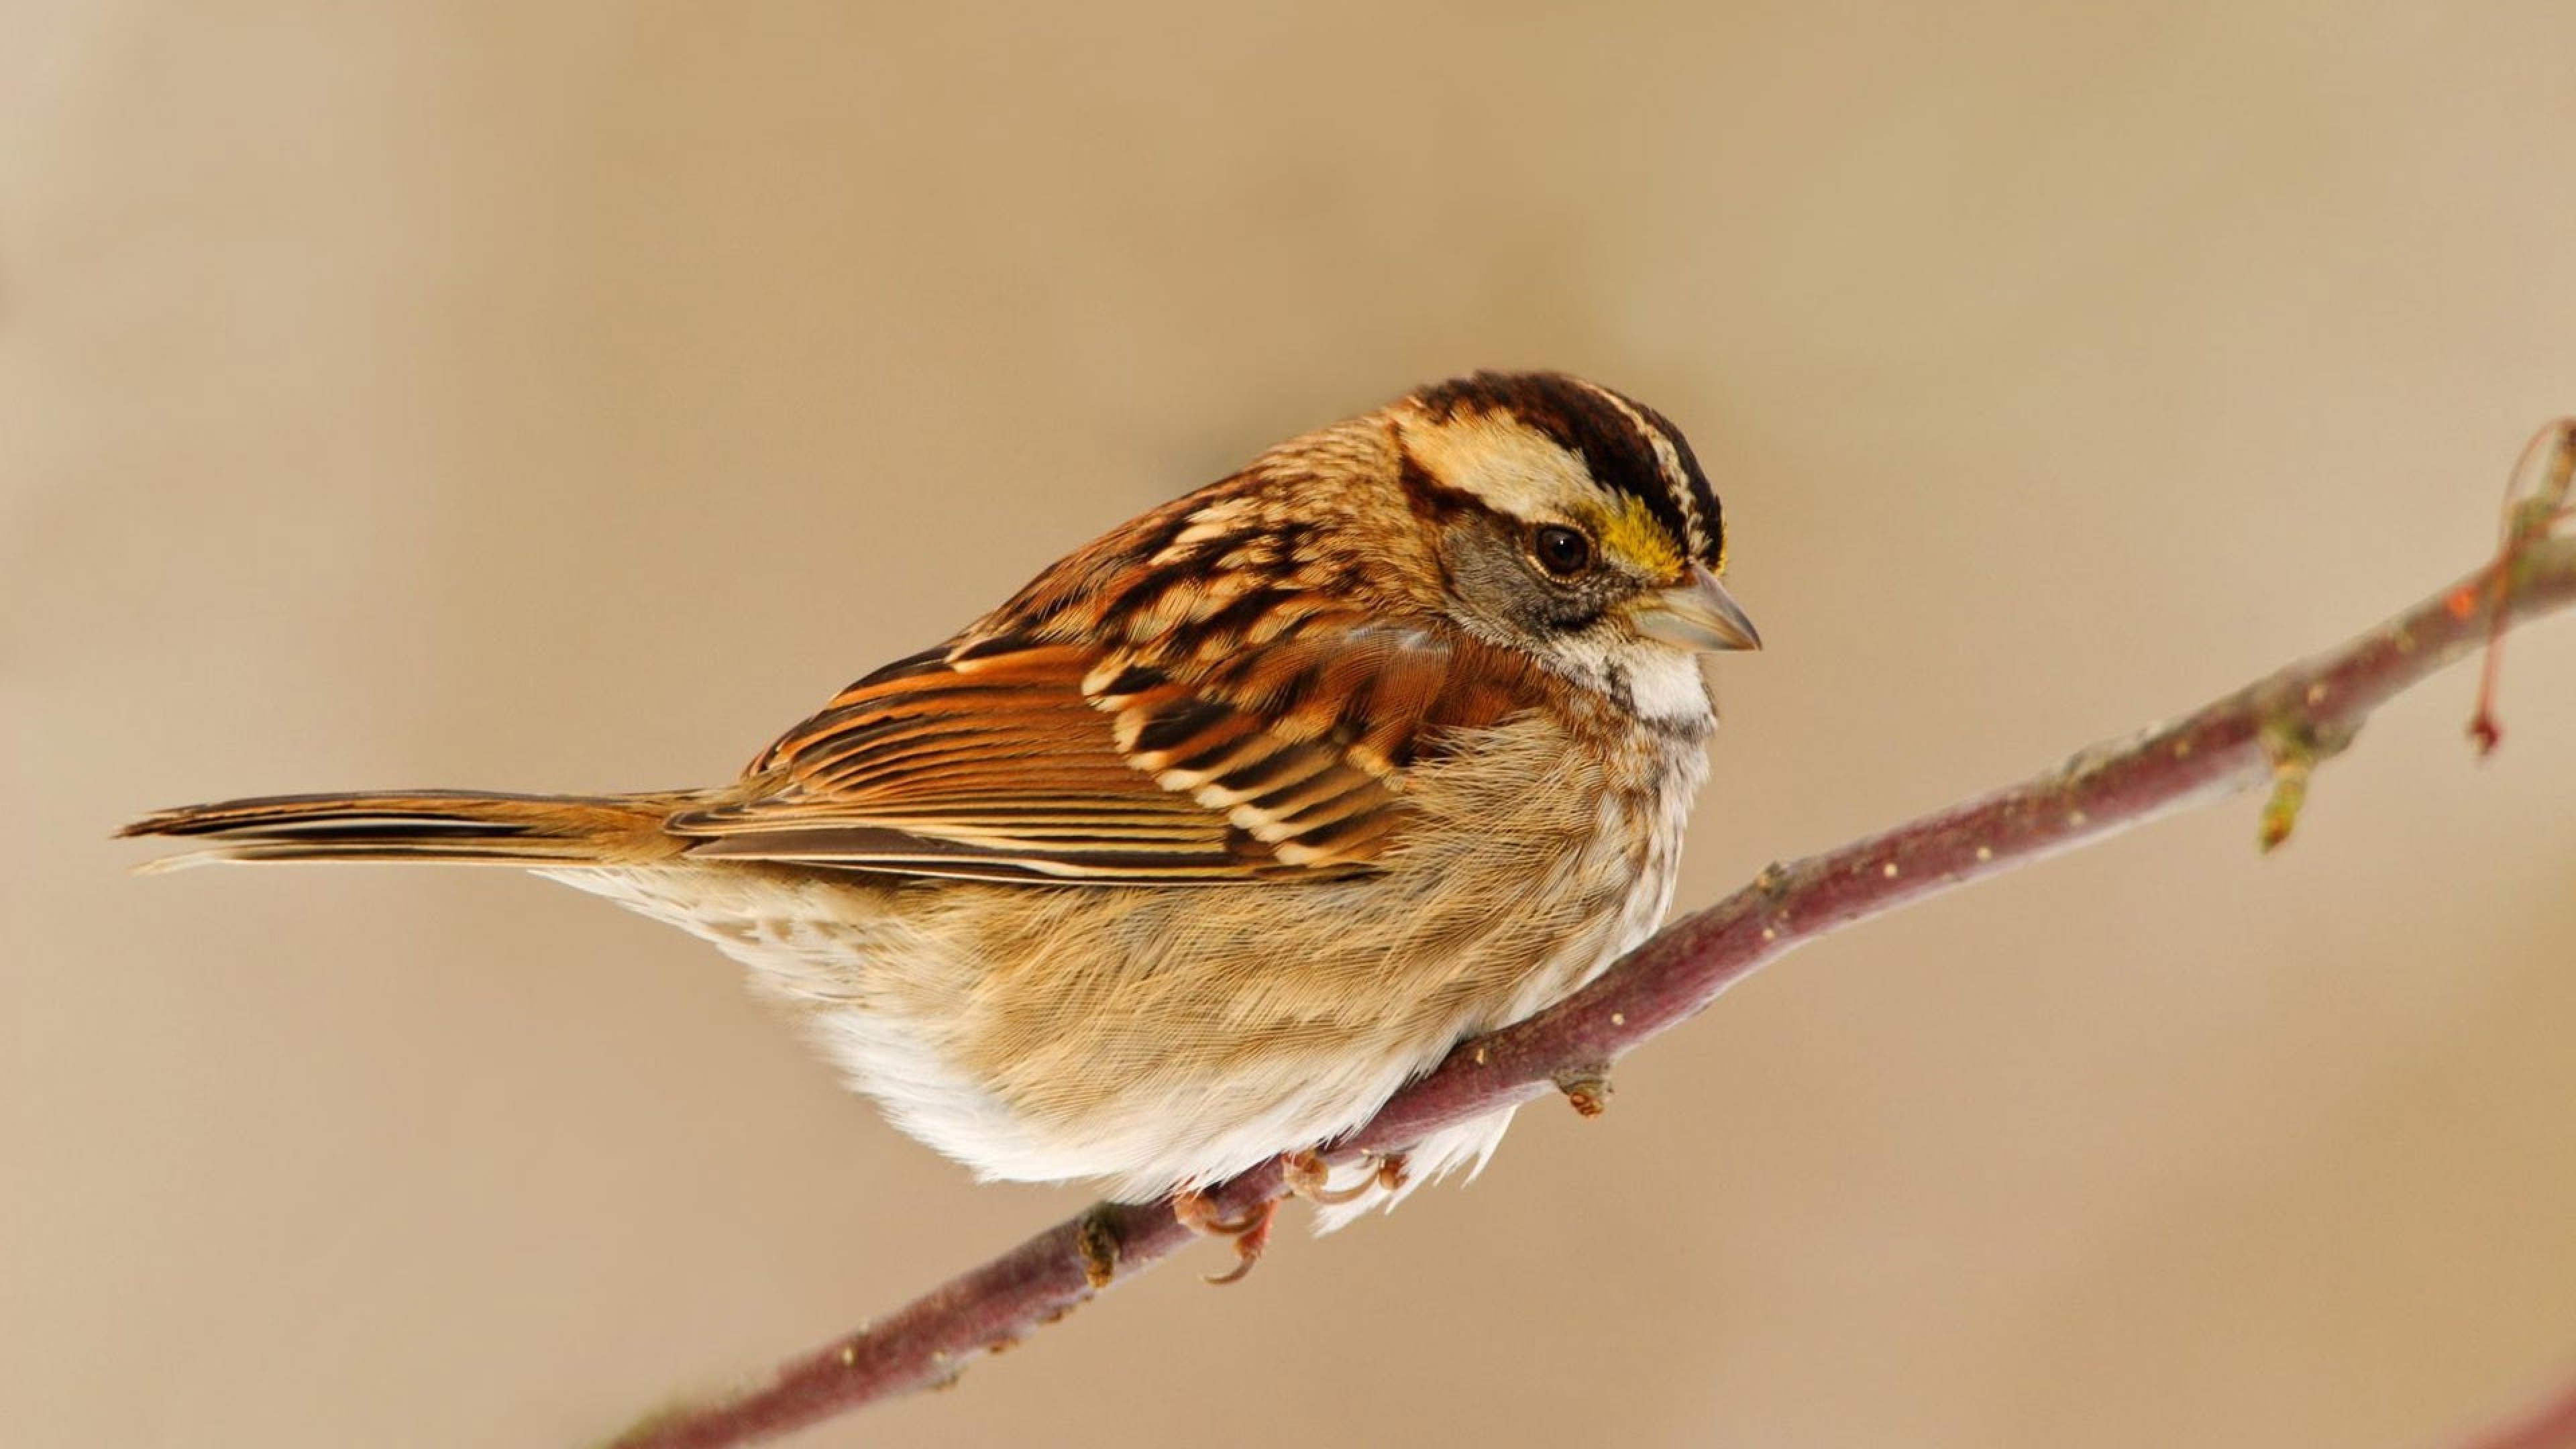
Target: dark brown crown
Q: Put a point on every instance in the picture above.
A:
(1623, 443)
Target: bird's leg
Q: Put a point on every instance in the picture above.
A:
(1249, 1230)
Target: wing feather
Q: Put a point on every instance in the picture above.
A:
(1025, 759)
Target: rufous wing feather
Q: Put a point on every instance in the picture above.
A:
(1015, 758)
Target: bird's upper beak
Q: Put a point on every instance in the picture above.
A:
(1697, 613)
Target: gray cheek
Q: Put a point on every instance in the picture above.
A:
(1500, 591)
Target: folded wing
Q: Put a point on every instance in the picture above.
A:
(1016, 758)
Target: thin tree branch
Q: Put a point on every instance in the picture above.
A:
(2276, 729)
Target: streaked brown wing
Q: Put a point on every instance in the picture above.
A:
(1013, 759)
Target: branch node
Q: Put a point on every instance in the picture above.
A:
(2296, 745)
(2281, 811)
(1586, 1087)
(1096, 1240)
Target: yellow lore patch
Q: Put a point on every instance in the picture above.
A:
(1632, 534)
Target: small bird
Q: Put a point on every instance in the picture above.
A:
(1221, 830)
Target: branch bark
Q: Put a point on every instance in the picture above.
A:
(2274, 730)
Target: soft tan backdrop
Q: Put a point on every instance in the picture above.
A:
(570, 397)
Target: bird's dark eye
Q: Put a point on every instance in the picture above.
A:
(1562, 551)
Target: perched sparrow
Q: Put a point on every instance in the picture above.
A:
(1221, 830)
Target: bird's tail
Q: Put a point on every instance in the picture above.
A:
(453, 826)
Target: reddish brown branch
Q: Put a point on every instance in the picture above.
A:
(2275, 729)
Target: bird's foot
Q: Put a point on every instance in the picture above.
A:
(1249, 1230)
(1308, 1175)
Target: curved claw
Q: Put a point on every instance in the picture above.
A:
(1308, 1175)
(1249, 1231)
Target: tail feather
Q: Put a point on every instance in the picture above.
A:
(424, 825)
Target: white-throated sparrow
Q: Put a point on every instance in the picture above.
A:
(1223, 828)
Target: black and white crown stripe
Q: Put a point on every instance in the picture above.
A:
(1668, 458)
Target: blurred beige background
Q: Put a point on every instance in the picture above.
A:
(573, 396)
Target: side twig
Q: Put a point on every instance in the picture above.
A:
(2275, 730)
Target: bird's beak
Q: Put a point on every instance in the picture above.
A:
(1697, 613)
